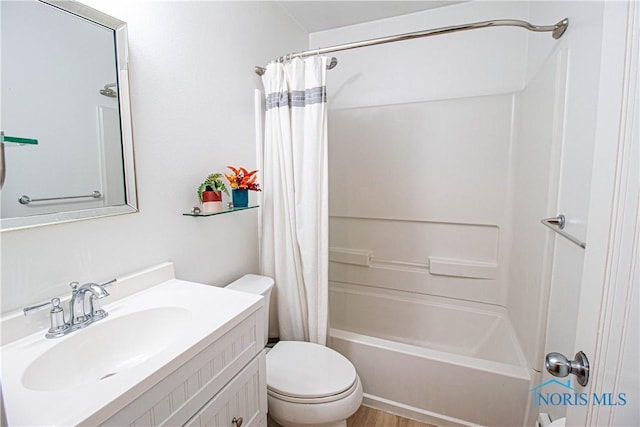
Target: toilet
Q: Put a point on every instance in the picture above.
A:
(307, 384)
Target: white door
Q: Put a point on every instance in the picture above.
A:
(600, 316)
(608, 325)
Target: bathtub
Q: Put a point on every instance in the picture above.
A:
(437, 360)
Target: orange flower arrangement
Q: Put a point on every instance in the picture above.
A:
(241, 179)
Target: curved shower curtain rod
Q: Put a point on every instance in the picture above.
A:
(557, 30)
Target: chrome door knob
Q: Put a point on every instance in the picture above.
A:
(559, 366)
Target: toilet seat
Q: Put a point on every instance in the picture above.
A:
(325, 399)
(303, 372)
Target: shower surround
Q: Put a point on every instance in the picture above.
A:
(417, 282)
(443, 157)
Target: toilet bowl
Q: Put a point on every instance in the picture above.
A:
(307, 384)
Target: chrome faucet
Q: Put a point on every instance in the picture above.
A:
(78, 316)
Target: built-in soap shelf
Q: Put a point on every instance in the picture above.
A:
(222, 212)
(462, 268)
(435, 265)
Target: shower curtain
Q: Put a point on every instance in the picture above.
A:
(294, 215)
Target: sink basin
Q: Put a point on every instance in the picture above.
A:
(106, 348)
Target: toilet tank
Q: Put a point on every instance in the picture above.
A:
(260, 285)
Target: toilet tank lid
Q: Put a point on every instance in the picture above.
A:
(252, 283)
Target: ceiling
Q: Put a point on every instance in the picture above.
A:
(324, 15)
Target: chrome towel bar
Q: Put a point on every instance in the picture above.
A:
(557, 225)
(25, 200)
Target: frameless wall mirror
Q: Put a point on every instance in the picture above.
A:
(67, 147)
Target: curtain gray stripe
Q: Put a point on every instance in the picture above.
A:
(297, 98)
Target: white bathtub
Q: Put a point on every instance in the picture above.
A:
(442, 361)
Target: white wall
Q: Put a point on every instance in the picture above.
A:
(421, 134)
(192, 80)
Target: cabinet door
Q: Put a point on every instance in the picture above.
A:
(244, 397)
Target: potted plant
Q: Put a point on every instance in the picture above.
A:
(210, 193)
(242, 181)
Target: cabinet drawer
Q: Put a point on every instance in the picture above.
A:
(244, 397)
(173, 400)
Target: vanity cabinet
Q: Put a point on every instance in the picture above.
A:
(223, 382)
(170, 353)
(238, 403)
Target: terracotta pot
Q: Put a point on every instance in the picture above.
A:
(211, 201)
(211, 196)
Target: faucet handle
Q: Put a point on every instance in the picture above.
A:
(54, 303)
(109, 283)
(37, 307)
(58, 325)
(74, 286)
(56, 317)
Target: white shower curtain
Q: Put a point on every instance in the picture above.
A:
(294, 222)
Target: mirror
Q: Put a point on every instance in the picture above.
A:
(65, 114)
